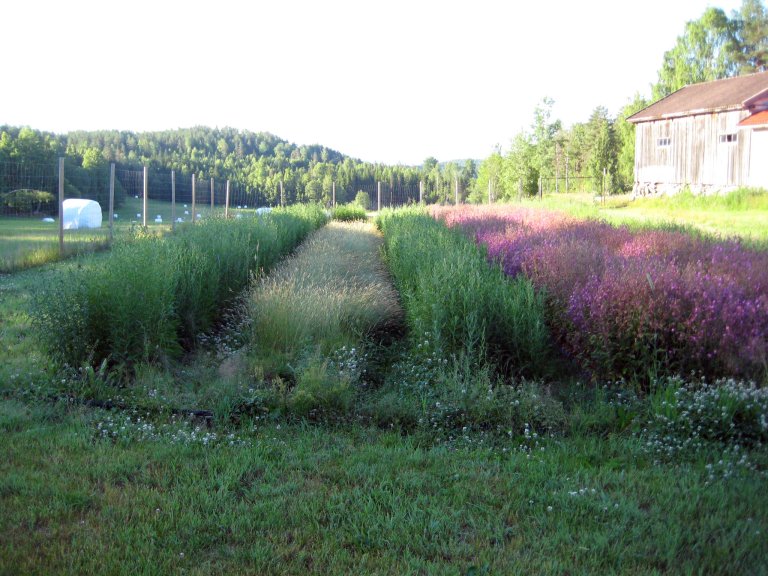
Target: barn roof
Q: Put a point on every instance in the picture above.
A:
(739, 93)
(757, 119)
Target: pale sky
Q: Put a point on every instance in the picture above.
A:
(392, 82)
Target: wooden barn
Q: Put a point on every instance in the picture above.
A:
(709, 137)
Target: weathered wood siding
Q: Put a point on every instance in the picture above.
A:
(688, 151)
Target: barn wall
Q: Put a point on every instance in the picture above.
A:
(673, 153)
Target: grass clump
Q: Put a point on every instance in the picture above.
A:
(349, 212)
(465, 305)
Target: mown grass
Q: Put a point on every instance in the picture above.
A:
(742, 213)
(296, 499)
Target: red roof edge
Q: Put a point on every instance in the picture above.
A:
(756, 119)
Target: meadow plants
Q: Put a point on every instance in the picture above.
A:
(635, 304)
(152, 295)
(465, 306)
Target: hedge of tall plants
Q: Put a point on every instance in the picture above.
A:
(635, 304)
(455, 301)
(149, 298)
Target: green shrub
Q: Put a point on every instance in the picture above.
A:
(27, 201)
(363, 199)
(349, 212)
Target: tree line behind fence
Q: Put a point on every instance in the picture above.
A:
(28, 189)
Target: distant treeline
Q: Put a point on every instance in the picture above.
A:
(256, 163)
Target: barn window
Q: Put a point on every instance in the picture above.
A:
(729, 138)
(663, 142)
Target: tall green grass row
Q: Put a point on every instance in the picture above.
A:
(150, 297)
(456, 302)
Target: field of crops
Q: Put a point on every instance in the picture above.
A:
(461, 390)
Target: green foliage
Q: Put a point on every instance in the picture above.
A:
(687, 419)
(27, 201)
(451, 294)
(750, 25)
(349, 212)
(151, 295)
(363, 200)
(715, 46)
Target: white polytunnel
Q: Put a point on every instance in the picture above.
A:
(81, 213)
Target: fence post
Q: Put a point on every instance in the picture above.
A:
(173, 200)
(602, 186)
(456, 189)
(333, 201)
(146, 195)
(193, 198)
(541, 190)
(378, 203)
(226, 202)
(421, 191)
(61, 206)
(566, 173)
(111, 201)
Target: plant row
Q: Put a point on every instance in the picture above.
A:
(455, 302)
(634, 304)
(151, 296)
(311, 317)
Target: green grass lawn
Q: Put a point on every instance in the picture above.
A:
(743, 214)
(302, 499)
(141, 489)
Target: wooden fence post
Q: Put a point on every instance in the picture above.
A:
(146, 195)
(421, 191)
(226, 202)
(193, 198)
(456, 189)
(111, 201)
(173, 200)
(61, 206)
(378, 203)
(212, 193)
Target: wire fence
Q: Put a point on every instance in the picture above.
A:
(31, 190)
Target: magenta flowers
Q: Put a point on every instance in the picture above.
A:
(634, 304)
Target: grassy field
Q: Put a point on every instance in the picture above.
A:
(27, 242)
(743, 214)
(585, 480)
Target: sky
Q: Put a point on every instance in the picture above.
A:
(391, 81)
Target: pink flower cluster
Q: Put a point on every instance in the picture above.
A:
(634, 304)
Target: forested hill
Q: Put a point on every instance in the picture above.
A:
(255, 161)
